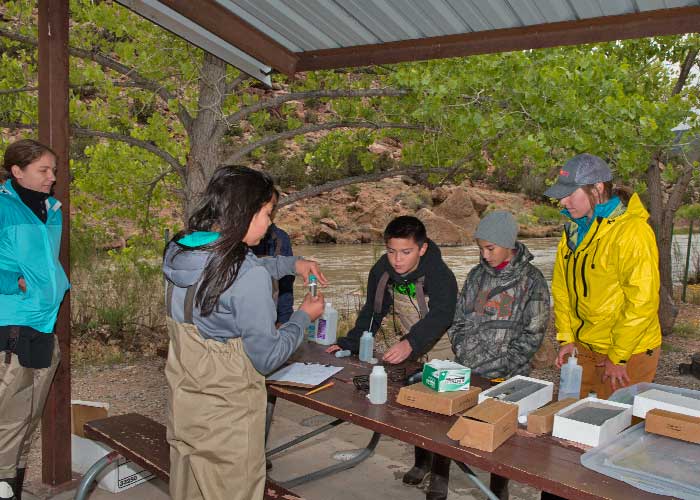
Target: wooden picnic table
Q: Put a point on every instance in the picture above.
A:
(539, 461)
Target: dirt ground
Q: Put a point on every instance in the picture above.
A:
(139, 386)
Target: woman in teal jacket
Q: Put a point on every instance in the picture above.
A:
(32, 286)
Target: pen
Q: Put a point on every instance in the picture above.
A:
(314, 391)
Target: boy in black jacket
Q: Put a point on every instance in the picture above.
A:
(413, 279)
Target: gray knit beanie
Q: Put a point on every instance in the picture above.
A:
(499, 228)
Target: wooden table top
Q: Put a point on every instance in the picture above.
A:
(539, 461)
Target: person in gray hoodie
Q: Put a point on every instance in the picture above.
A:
(223, 339)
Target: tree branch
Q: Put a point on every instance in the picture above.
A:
(233, 85)
(133, 141)
(107, 62)
(358, 179)
(314, 94)
(18, 90)
(685, 70)
(241, 153)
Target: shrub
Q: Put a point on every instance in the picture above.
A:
(547, 214)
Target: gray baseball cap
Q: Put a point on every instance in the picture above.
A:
(581, 170)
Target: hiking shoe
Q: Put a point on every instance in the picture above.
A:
(415, 476)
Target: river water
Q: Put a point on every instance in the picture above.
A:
(347, 266)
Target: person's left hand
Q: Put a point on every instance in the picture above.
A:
(398, 352)
(305, 267)
(616, 373)
(22, 285)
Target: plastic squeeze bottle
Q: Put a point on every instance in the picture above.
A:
(366, 346)
(377, 386)
(327, 326)
(570, 379)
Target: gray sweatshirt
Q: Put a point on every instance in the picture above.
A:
(245, 310)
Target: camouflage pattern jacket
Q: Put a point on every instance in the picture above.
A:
(501, 317)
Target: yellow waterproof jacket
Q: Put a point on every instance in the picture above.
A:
(606, 290)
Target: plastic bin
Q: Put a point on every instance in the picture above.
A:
(626, 394)
(653, 463)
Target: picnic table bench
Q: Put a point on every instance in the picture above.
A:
(142, 440)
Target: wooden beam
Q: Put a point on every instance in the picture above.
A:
(54, 132)
(223, 23)
(601, 29)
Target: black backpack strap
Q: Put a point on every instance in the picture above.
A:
(420, 295)
(189, 303)
(379, 294)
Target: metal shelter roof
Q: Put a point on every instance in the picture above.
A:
(258, 36)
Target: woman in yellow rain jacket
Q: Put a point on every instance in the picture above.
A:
(606, 280)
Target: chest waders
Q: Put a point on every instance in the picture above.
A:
(216, 413)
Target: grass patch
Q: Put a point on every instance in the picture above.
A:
(547, 214)
(666, 347)
(686, 330)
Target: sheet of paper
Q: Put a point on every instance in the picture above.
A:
(303, 375)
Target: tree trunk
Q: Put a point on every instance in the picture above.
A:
(661, 220)
(205, 136)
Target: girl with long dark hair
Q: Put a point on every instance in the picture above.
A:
(223, 339)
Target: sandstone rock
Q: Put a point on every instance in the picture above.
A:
(478, 202)
(440, 194)
(325, 235)
(443, 231)
(539, 231)
(458, 209)
(330, 223)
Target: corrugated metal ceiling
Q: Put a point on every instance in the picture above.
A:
(306, 25)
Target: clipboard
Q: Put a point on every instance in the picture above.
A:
(303, 375)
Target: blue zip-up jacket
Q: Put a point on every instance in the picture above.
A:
(276, 242)
(29, 249)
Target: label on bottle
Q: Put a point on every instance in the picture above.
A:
(311, 331)
(322, 327)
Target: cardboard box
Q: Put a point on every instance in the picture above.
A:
(663, 400)
(445, 403)
(444, 376)
(528, 393)
(118, 476)
(592, 421)
(541, 421)
(675, 425)
(486, 426)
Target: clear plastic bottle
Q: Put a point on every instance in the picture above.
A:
(377, 386)
(327, 327)
(570, 379)
(366, 346)
(313, 285)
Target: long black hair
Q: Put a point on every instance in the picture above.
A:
(232, 197)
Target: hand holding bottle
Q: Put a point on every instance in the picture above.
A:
(313, 306)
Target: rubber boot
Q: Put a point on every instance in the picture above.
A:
(424, 460)
(439, 478)
(19, 483)
(499, 486)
